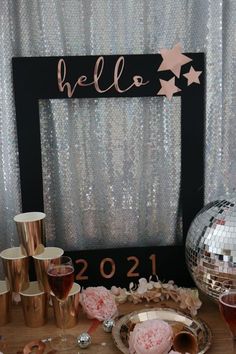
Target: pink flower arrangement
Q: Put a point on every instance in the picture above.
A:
(151, 337)
(99, 303)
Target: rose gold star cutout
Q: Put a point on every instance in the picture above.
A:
(173, 59)
(168, 88)
(193, 76)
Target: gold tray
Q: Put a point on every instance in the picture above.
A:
(197, 327)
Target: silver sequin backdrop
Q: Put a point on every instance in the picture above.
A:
(111, 167)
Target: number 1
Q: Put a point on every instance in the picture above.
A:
(154, 265)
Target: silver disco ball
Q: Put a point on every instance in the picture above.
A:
(211, 247)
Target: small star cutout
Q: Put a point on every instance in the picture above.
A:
(168, 88)
(193, 76)
(173, 59)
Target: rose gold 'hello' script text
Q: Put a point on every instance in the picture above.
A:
(137, 80)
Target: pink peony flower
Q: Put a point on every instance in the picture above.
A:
(99, 303)
(151, 337)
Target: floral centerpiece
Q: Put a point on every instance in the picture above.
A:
(157, 291)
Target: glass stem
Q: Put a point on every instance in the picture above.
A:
(63, 318)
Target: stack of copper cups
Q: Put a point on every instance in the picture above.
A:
(34, 295)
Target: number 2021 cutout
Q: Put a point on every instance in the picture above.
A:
(110, 265)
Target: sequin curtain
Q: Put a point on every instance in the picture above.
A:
(111, 167)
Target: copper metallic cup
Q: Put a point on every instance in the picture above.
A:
(30, 228)
(185, 342)
(15, 266)
(71, 308)
(34, 304)
(5, 303)
(42, 261)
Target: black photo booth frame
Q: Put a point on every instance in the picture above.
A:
(36, 78)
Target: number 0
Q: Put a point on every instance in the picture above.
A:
(113, 268)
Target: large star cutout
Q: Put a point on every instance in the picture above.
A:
(173, 59)
(168, 88)
(193, 76)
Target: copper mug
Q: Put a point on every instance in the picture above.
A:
(30, 228)
(16, 266)
(42, 261)
(71, 308)
(34, 304)
(5, 303)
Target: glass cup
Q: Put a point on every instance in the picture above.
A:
(5, 303)
(71, 308)
(30, 228)
(61, 280)
(42, 261)
(16, 266)
(34, 304)
(227, 305)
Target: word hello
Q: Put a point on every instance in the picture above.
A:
(82, 81)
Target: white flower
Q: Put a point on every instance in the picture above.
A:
(189, 299)
(120, 294)
(115, 291)
(143, 286)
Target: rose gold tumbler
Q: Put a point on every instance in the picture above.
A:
(30, 227)
(41, 262)
(71, 308)
(15, 266)
(5, 303)
(34, 304)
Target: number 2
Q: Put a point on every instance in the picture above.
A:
(136, 264)
(80, 275)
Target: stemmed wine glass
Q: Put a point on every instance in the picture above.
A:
(227, 306)
(61, 278)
